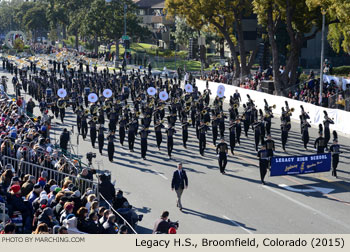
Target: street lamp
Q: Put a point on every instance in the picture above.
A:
(322, 55)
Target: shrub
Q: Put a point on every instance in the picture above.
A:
(342, 70)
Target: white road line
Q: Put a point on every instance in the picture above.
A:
(160, 174)
(307, 207)
(236, 224)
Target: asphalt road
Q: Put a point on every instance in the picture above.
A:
(231, 203)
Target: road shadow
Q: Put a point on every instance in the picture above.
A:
(215, 218)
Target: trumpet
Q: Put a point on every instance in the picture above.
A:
(63, 104)
(95, 110)
(292, 110)
(190, 121)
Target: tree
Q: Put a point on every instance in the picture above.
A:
(114, 26)
(224, 17)
(337, 16)
(300, 20)
(35, 19)
(8, 11)
(183, 32)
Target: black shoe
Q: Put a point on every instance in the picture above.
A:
(263, 183)
(140, 217)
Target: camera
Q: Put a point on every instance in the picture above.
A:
(174, 224)
(90, 156)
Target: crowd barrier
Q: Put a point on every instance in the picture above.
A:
(341, 118)
(23, 167)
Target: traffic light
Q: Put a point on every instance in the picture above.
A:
(127, 44)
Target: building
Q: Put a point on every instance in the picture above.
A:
(153, 16)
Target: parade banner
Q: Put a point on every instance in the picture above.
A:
(300, 164)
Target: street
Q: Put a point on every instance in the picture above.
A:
(233, 203)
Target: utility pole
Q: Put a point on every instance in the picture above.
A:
(125, 8)
(322, 55)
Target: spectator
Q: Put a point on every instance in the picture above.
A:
(107, 190)
(340, 102)
(28, 186)
(82, 222)
(67, 210)
(10, 228)
(162, 225)
(109, 227)
(92, 226)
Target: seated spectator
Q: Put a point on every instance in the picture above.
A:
(16, 203)
(82, 222)
(92, 224)
(110, 227)
(28, 186)
(67, 210)
(71, 223)
(340, 102)
(10, 228)
(47, 217)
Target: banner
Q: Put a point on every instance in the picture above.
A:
(300, 164)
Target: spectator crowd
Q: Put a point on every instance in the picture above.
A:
(46, 192)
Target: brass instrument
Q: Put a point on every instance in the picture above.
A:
(235, 106)
(86, 112)
(138, 99)
(204, 112)
(95, 110)
(292, 110)
(188, 108)
(95, 119)
(63, 105)
(118, 101)
(207, 123)
(138, 113)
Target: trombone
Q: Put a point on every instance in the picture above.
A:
(95, 119)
